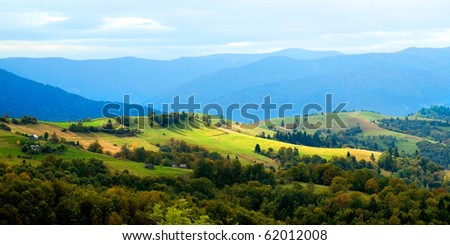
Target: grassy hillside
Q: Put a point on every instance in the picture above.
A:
(9, 153)
(224, 141)
(366, 121)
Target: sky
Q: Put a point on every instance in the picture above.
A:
(98, 29)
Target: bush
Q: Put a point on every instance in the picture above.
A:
(95, 147)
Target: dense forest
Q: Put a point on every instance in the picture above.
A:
(435, 130)
(436, 112)
(305, 190)
(439, 153)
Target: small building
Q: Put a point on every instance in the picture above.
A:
(290, 125)
(183, 165)
(34, 137)
(174, 166)
(150, 166)
(35, 147)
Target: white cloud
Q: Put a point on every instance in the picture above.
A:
(31, 19)
(47, 18)
(132, 23)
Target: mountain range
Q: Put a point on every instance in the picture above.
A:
(21, 96)
(391, 83)
(143, 79)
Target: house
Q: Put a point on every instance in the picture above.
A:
(183, 165)
(35, 147)
(34, 137)
(290, 125)
(174, 166)
(150, 166)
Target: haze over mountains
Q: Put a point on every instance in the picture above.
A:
(391, 83)
(144, 79)
(20, 96)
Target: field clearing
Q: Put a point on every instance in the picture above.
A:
(109, 142)
(226, 141)
(94, 122)
(9, 152)
(238, 141)
(363, 119)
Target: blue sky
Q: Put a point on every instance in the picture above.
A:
(170, 29)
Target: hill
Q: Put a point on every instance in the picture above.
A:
(435, 112)
(392, 83)
(221, 140)
(20, 96)
(142, 78)
(9, 153)
(371, 132)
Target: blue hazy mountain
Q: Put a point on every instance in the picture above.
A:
(20, 96)
(392, 83)
(110, 79)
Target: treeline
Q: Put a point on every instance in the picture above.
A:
(436, 112)
(5, 120)
(439, 153)
(350, 137)
(85, 192)
(24, 120)
(419, 171)
(436, 130)
(106, 128)
(176, 152)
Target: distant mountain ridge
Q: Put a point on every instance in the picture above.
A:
(144, 79)
(20, 96)
(392, 83)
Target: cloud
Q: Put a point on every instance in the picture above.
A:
(132, 23)
(31, 19)
(46, 18)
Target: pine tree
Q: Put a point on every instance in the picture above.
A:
(257, 148)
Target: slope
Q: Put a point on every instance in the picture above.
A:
(393, 83)
(20, 96)
(142, 78)
(366, 120)
(9, 153)
(223, 141)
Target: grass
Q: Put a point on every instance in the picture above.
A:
(225, 141)
(9, 152)
(94, 122)
(238, 141)
(363, 119)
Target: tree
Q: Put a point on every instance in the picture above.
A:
(46, 135)
(109, 125)
(140, 154)
(372, 158)
(257, 148)
(386, 161)
(339, 184)
(371, 186)
(95, 147)
(54, 138)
